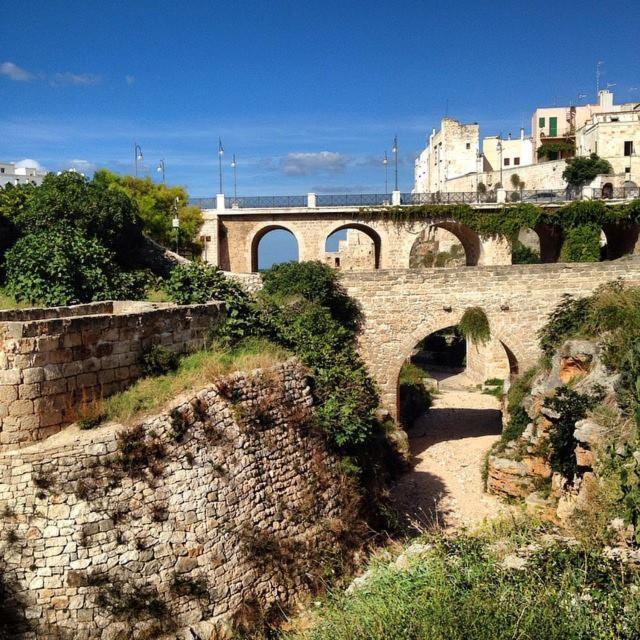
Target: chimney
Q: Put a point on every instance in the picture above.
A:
(521, 133)
(509, 135)
(605, 99)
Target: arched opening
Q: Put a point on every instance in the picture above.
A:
(620, 239)
(607, 190)
(463, 384)
(551, 239)
(272, 245)
(353, 247)
(525, 247)
(445, 244)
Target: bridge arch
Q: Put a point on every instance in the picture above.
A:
(468, 238)
(260, 233)
(622, 239)
(373, 235)
(503, 354)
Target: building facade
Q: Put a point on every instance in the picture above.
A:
(10, 174)
(451, 152)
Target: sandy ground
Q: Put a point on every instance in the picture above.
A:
(448, 444)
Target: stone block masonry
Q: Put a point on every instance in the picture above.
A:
(53, 360)
(224, 506)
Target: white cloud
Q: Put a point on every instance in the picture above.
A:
(130, 80)
(304, 164)
(30, 163)
(77, 79)
(14, 72)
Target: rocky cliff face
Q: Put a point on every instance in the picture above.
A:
(553, 461)
(221, 509)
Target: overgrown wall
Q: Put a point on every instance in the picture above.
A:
(51, 360)
(224, 505)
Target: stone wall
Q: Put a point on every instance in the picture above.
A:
(223, 506)
(53, 360)
(402, 307)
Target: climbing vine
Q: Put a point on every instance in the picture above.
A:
(474, 325)
(576, 220)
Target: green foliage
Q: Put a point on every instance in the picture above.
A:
(552, 150)
(581, 244)
(156, 208)
(521, 254)
(415, 398)
(61, 267)
(572, 406)
(518, 417)
(315, 282)
(568, 319)
(474, 325)
(304, 308)
(582, 170)
(159, 360)
(459, 590)
(198, 283)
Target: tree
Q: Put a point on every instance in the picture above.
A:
(71, 200)
(156, 208)
(582, 170)
(61, 266)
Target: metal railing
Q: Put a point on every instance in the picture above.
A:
(353, 200)
(441, 197)
(616, 193)
(542, 196)
(265, 202)
(203, 203)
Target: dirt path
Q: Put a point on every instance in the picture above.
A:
(448, 444)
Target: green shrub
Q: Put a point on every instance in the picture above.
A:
(414, 398)
(572, 406)
(474, 325)
(60, 267)
(521, 254)
(459, 590)
(159, 360)
(581, 244)
(198, 283)
(314, 282)
(565, 321)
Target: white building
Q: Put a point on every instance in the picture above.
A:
(10, 174)
(451, 152)
(614, 136)
(509, 152)
(560, 124)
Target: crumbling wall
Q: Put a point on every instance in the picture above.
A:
(51, 360)
(224, 506)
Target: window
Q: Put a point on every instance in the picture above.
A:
(628, 147)
(468, 145)
(541, 123)
(516, 161)
(553, 127)
(1, 169)
(507, 162)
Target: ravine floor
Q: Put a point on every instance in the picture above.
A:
(448, 445)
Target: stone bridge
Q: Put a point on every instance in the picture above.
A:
(231, 236)
(401, 307)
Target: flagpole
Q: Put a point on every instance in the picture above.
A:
(220, 153)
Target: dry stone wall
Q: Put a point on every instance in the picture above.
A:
(53, 360)
(224, 505)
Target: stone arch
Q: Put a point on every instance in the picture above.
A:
(468, 238)
(368, 231)
(261, 233)
(622, 239)
(551, 239)
(501, 337)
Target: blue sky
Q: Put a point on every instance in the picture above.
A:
(307, 94)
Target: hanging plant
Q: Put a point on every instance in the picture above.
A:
(474, 325)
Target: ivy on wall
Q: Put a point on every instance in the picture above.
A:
(508, 220)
